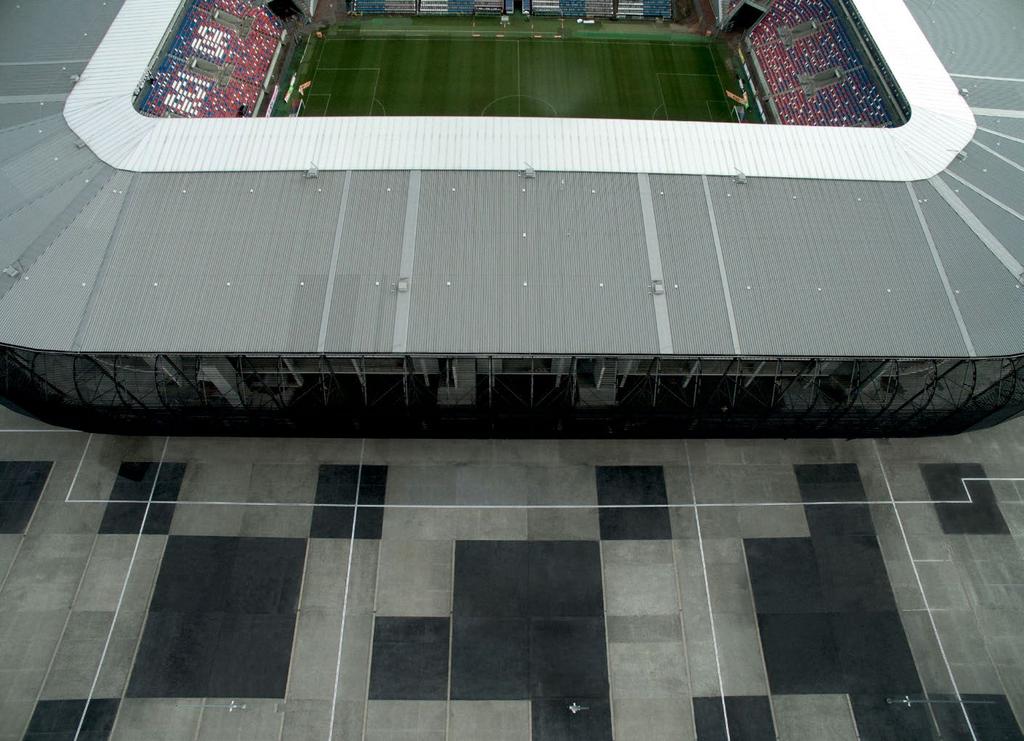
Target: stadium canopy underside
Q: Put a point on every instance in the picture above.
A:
(654, 396)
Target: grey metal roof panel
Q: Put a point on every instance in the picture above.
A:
(988, 172)
(820, 267)
(51, 30)
(228, 264)
(561, 235)
(990, 300)
(992, 93)
(1006, 227)
(38, 79)
(15, 140)
(362, 311)
(16, 114)
(697, 308)
(981, 38)
(44, 167)
(46, 310)
(20, 229)
(1014, 150)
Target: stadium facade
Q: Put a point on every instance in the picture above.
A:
(504, 277)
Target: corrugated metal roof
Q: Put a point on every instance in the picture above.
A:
(990, 300)
(540, 292)
(881, 292)
(201, 263)
(981, 38)
(817, 271)
(50, 30)
(99, 110)
(46, 310)
(362, 316)
(697, 309)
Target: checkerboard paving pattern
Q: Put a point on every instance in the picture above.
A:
(258, 589)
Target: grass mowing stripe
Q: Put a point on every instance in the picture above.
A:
(585, 78)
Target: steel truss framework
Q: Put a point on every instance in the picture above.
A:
(572, 396)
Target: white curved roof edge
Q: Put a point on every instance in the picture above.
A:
(100, 112)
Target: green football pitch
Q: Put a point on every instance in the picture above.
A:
(447, 75)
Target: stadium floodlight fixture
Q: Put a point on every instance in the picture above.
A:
(312, 171)
(739, 177)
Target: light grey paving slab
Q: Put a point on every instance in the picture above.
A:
(275, 522)
(772, 522)
(622, 452)
(927, 654)
(216, 481)
(259, 720)
(490, 524)
(226, 520)
(730, 588)
(314, 654)
(658, 719)
(745, 484)
(818, 717)
(942, 587)
(757, 451)
(105, 575)
(144, 719)
(9, 544)
(435, 523)
(283, 482)
(647, 670)
(46, 573)
(405, 720)
(78, 656)
(644, 628)
(563, 524)
(639, 578)
(309, 720)
(66, 518)
(507, 720)
(120, 656)
(739, 651)
(415, 578)
(355, 658)
(323, 582)
(349, 720)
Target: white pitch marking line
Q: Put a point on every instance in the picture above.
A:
(78, 470)
(707, 594)
(124, 589)
(924, 596)
(344, 599)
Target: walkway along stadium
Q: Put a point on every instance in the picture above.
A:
(475, 218)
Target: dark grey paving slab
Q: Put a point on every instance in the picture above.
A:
(176, 654)
(750, 718)
(829, 482)
(621, 486)
(824, 520)
(801, 654)
(492, 578)
(194, 574)
(410, 659)
(879, 720)
(252, 656)
(991, 718)
(874, 653)
(221, 618)
(853, 574)
(945, 484)
(266, 576)
(490, 659)
(135, 481)
(21, 483)
(784, 575)
(565, 578)
(57, 720)
(336, 485)
(553, 721)
(568, 657)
